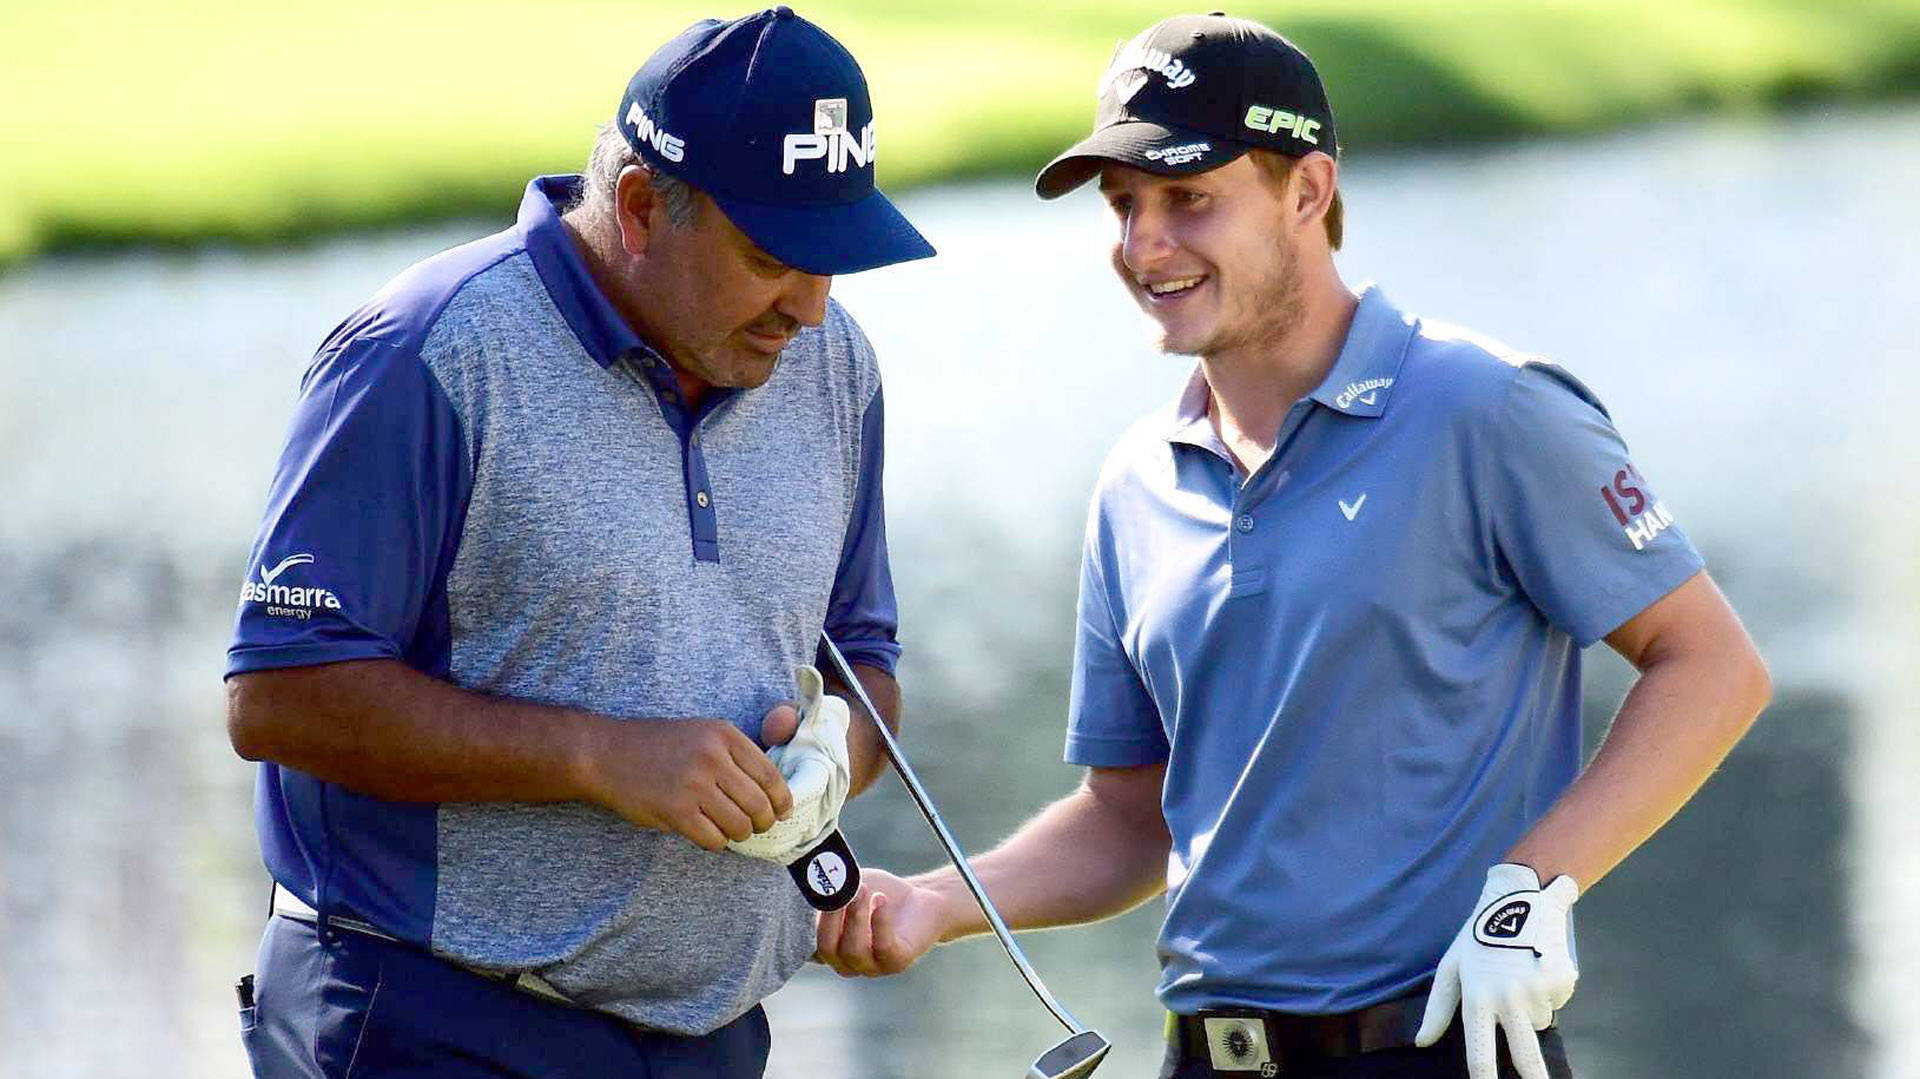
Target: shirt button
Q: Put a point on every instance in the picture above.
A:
(1245, 523)
(702, 499)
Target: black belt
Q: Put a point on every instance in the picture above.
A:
(1258, 1042)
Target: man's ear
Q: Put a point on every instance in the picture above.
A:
(633, 206)
(1315, 177)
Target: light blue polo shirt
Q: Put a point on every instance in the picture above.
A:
(490, 478)
(1361, 664)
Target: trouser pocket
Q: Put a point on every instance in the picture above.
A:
(249, 1022)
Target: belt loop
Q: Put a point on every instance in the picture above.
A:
(321, 923)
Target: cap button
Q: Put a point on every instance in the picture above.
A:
(783, 12)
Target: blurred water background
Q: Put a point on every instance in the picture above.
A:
(1739, 292)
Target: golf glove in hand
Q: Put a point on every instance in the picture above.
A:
(1512, 965)
(817, 771)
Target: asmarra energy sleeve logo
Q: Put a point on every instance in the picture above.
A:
(287, 600)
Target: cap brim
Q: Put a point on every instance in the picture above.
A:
(833, 239)
(1141, 144)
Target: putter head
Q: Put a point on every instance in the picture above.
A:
(1071, 1059)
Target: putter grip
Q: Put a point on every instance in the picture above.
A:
(827, 875)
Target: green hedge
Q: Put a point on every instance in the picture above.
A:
(198, 120)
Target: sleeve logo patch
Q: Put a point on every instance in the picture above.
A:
(287, 601)
(1640, 518)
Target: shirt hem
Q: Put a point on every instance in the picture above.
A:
(276, 657)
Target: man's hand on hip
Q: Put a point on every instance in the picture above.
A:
(700, 778)
(1511, 965)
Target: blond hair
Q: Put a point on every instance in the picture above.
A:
(1278, 168)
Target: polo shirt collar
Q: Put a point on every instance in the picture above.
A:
(594, 320)
(1358, 383)
(1190, 424)
(1369, 361)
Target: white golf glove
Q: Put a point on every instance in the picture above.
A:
(1512, 964)
(817, 771)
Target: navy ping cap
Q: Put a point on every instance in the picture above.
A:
(1191, 94)
(770, 116)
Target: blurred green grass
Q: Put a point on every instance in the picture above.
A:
(135, 123)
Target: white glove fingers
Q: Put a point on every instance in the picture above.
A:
(807, 779)
(1561, 990)
(1482, 1059)
(1539, 1010)
(810, 686)
(808, 782)
(1442, 999)
(1524, 1046)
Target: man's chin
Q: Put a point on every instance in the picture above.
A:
(1174, 344)
(754, 372)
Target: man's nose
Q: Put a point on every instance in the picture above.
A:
(1143, 241)
(805, 298)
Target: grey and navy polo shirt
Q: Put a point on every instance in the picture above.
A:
(492, 480)
(1360, 664)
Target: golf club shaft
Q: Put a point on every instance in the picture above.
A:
(954, 853)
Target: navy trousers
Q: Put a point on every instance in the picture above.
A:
(343, 1005)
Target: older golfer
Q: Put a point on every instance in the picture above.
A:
(561, 513)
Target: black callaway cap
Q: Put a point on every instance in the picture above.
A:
(1193, 92)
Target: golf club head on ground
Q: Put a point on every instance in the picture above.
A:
(1071, 1059)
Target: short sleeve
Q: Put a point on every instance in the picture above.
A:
(862, 617)
(1111, 718)
(1579, 527)
(362, 519)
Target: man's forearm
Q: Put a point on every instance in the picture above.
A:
(1676, 725)
(1091, 855)
(383, 729)
(865, 753)
(387, 730)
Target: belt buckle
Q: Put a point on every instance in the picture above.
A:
(1239, 1042)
